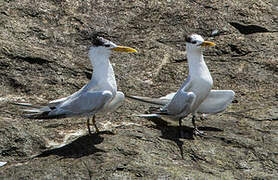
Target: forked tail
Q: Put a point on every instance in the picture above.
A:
(156, 101)
(37, 112)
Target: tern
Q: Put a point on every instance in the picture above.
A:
(100, 95)
(196, 94)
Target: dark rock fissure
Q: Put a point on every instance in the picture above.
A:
(248, 29)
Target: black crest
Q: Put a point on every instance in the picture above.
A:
(98, 41)
(93, 38)
(189, 39)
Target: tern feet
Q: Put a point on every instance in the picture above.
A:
(182, 135)
(197, 132)
(94, 123)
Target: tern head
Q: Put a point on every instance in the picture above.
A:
(104, 46)
(196, 41)
(101, 48)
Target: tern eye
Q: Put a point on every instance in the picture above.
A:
(193, 42)
(107, 45)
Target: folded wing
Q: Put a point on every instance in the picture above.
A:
(165, 99)
(89, 102)
(85, 103)
(181, 103)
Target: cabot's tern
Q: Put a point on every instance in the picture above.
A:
(100, 95)
(196, 94)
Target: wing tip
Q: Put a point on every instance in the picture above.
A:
(148, 115)
(21, 104)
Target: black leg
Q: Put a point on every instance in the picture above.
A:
(193, 121)
(196, 131)
(88, 125)
(94, 123)
(180, 127)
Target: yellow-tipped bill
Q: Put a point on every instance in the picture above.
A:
(207, 43)
(123, 49)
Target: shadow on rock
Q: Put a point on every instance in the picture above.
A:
(83, 146)
(173, 133)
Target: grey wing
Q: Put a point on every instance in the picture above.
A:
(182, 100)
(165, 99)
(217, 101)
(181, 104)
(115, 102)
(56, 102)
(186, 84)
(184, 87)
(168, 97)
(88, 102)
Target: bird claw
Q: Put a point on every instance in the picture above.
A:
(88, 127)
(197, 132)
(90, 132)
(94, 123)
(97, 130)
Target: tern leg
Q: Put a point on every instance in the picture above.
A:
(196, 131)
(180, 127)
(94, 123)
(88, 125)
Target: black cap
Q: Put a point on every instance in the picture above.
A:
(98, 41)
(189, 39)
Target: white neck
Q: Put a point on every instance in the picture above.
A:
(197, 65)
(103, 72)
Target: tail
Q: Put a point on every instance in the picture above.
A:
(38, 112)
(155, 112)
(156, 101)
(26, 105)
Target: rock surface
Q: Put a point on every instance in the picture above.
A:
(44, 57)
